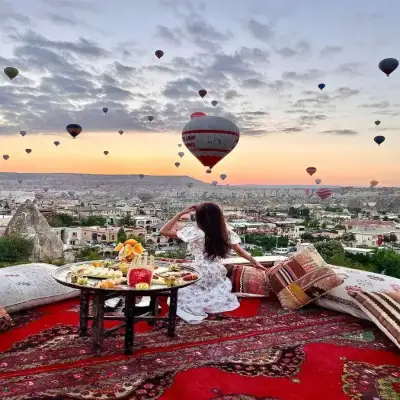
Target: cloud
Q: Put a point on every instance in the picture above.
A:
(311, 74)
(330, 50)
(83, 47)
(382, 104)
(292, 129)
(171, 35)
(302, 48)
(319, 100)
(341, 132)
(352, 68)
(260, 31)
(182, 88)
(232, 94)
(59, 19)
(254, 54)
(311, 119)
(253, 83)
(279, 85)
(345, 92)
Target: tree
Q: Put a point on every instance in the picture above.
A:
(126, 220)
(88, 254)
(329, 249)
(392, 238)
(266, 242)
(307, 236)
(93, 220)
(62, 220)
(386, 238)
(323, 225)
(385, 218)
(349, 237)
(312, 223)
(15, 248)
(121, 236)
(293, 212)
(256, 252)
(140, 239)
(387, 261)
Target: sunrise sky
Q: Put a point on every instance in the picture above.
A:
(261, 60)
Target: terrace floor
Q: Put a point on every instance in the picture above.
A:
(257, 352)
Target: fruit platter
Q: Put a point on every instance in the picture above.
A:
(131, 270)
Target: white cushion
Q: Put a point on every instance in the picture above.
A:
(31, 285)
(338, 298)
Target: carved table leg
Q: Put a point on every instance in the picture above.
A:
(130, 301)
(83, 313)
(173, 305)
(98, 321)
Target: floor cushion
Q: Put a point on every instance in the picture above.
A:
(355, 280)
(249, 281)
(31, 285)
(383, 308)
(6, 321)
(302, 278)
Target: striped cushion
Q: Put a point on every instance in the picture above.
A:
(248, 281)
(383, 308)
(302, 278)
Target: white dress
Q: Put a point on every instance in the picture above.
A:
(212, 294)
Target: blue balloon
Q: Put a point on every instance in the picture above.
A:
(379, 139)
(321, 85)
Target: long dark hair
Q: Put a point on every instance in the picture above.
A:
(210, 220)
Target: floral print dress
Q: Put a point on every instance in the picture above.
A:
(212, 294)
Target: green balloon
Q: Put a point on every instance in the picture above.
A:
(11, 72)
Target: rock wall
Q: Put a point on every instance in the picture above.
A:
(30, 223)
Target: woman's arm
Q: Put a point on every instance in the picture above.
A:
(168, 229)
(243, 253)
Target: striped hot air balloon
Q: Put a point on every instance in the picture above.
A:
(324, 193)
(309, 192)
(210, 138)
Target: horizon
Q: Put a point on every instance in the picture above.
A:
(73, 60)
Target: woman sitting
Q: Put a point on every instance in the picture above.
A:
(209, 241)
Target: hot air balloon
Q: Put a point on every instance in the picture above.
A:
(57, 143)
(145, 195)
(180, 145)
(321, 85)
(388, 65)
(120, 131)
(181, 154)
(46, 189)
(318, 181)
(197, 114)
(214, 103)
(324, 194)
(29, 151)
(6, 157)
(210, 138)
(22, 133)
(189, 185)
(105, 152)
(214, 183)
(11, 72)
(309, 192)
(105, 109)
(159, 53)
(202, 92)
(223, 176)
(373, 183)
(177, 164)
(74, 130)
(141, 176)
(150, 118)
(379, 140)
(311, 170)
(377, 122)
(208, 171)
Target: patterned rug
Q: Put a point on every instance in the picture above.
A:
(258, 352)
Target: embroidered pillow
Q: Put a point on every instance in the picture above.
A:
(383, 308)
(5, 320)
(302, 278)
(249, 282)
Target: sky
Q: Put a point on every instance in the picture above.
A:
(261, 60)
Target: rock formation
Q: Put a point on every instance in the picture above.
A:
(30, 223)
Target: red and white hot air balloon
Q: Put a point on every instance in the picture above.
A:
(198, 114)
(324, 193)
(210, 138)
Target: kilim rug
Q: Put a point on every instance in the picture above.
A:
(258, 352)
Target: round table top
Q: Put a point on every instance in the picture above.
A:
(63, 276)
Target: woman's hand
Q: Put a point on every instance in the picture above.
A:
(259, 266)
(188, 210)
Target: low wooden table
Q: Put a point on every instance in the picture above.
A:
(129, 318)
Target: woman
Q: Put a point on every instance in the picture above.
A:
(209, 241)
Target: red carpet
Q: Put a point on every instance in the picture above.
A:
(258, 352)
